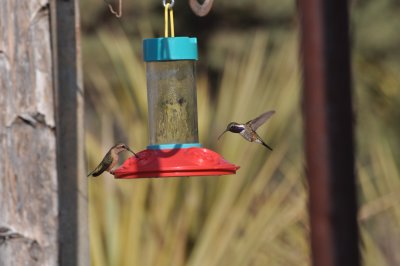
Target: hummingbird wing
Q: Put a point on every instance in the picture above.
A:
(261, 119)
(105, 163)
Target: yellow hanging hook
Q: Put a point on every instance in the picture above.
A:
(171, 17)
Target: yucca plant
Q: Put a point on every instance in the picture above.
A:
(229, 220)
(259, 215)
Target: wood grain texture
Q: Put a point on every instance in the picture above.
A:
(28, 170)
(43, 212)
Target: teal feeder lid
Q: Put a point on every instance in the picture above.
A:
(170, 49)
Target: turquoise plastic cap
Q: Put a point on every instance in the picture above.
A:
(173, 146)
(167, 49)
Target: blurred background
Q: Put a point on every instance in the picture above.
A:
(248, 63)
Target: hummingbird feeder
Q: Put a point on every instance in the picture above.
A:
(174, 148)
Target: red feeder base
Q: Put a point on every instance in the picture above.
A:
(175, 162)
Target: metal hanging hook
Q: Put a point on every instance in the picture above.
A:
(171, 3)
(201, 9)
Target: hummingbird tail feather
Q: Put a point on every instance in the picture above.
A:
(266, 145)
(91, 173)
(97, 173)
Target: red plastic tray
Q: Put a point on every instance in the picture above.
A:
(175, 162)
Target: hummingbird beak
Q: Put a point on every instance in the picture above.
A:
(222, 134)
(132, 152)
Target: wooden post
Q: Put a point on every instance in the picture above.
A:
(328, 131)
(43, 218)
(72, 189)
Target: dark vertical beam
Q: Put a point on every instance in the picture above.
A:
(72, 183)
(329, 132)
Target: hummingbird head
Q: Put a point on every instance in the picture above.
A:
(123, 147)
(233, 127)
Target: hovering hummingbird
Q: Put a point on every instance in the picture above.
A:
(110, 159)
(248, 130)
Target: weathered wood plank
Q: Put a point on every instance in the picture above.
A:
(28, 175)
(43, 203)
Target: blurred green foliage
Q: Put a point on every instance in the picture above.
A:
(248, 64)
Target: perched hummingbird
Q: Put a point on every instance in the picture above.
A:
(110, 160)
(248, 130)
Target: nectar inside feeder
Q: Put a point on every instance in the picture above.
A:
(174, 148)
